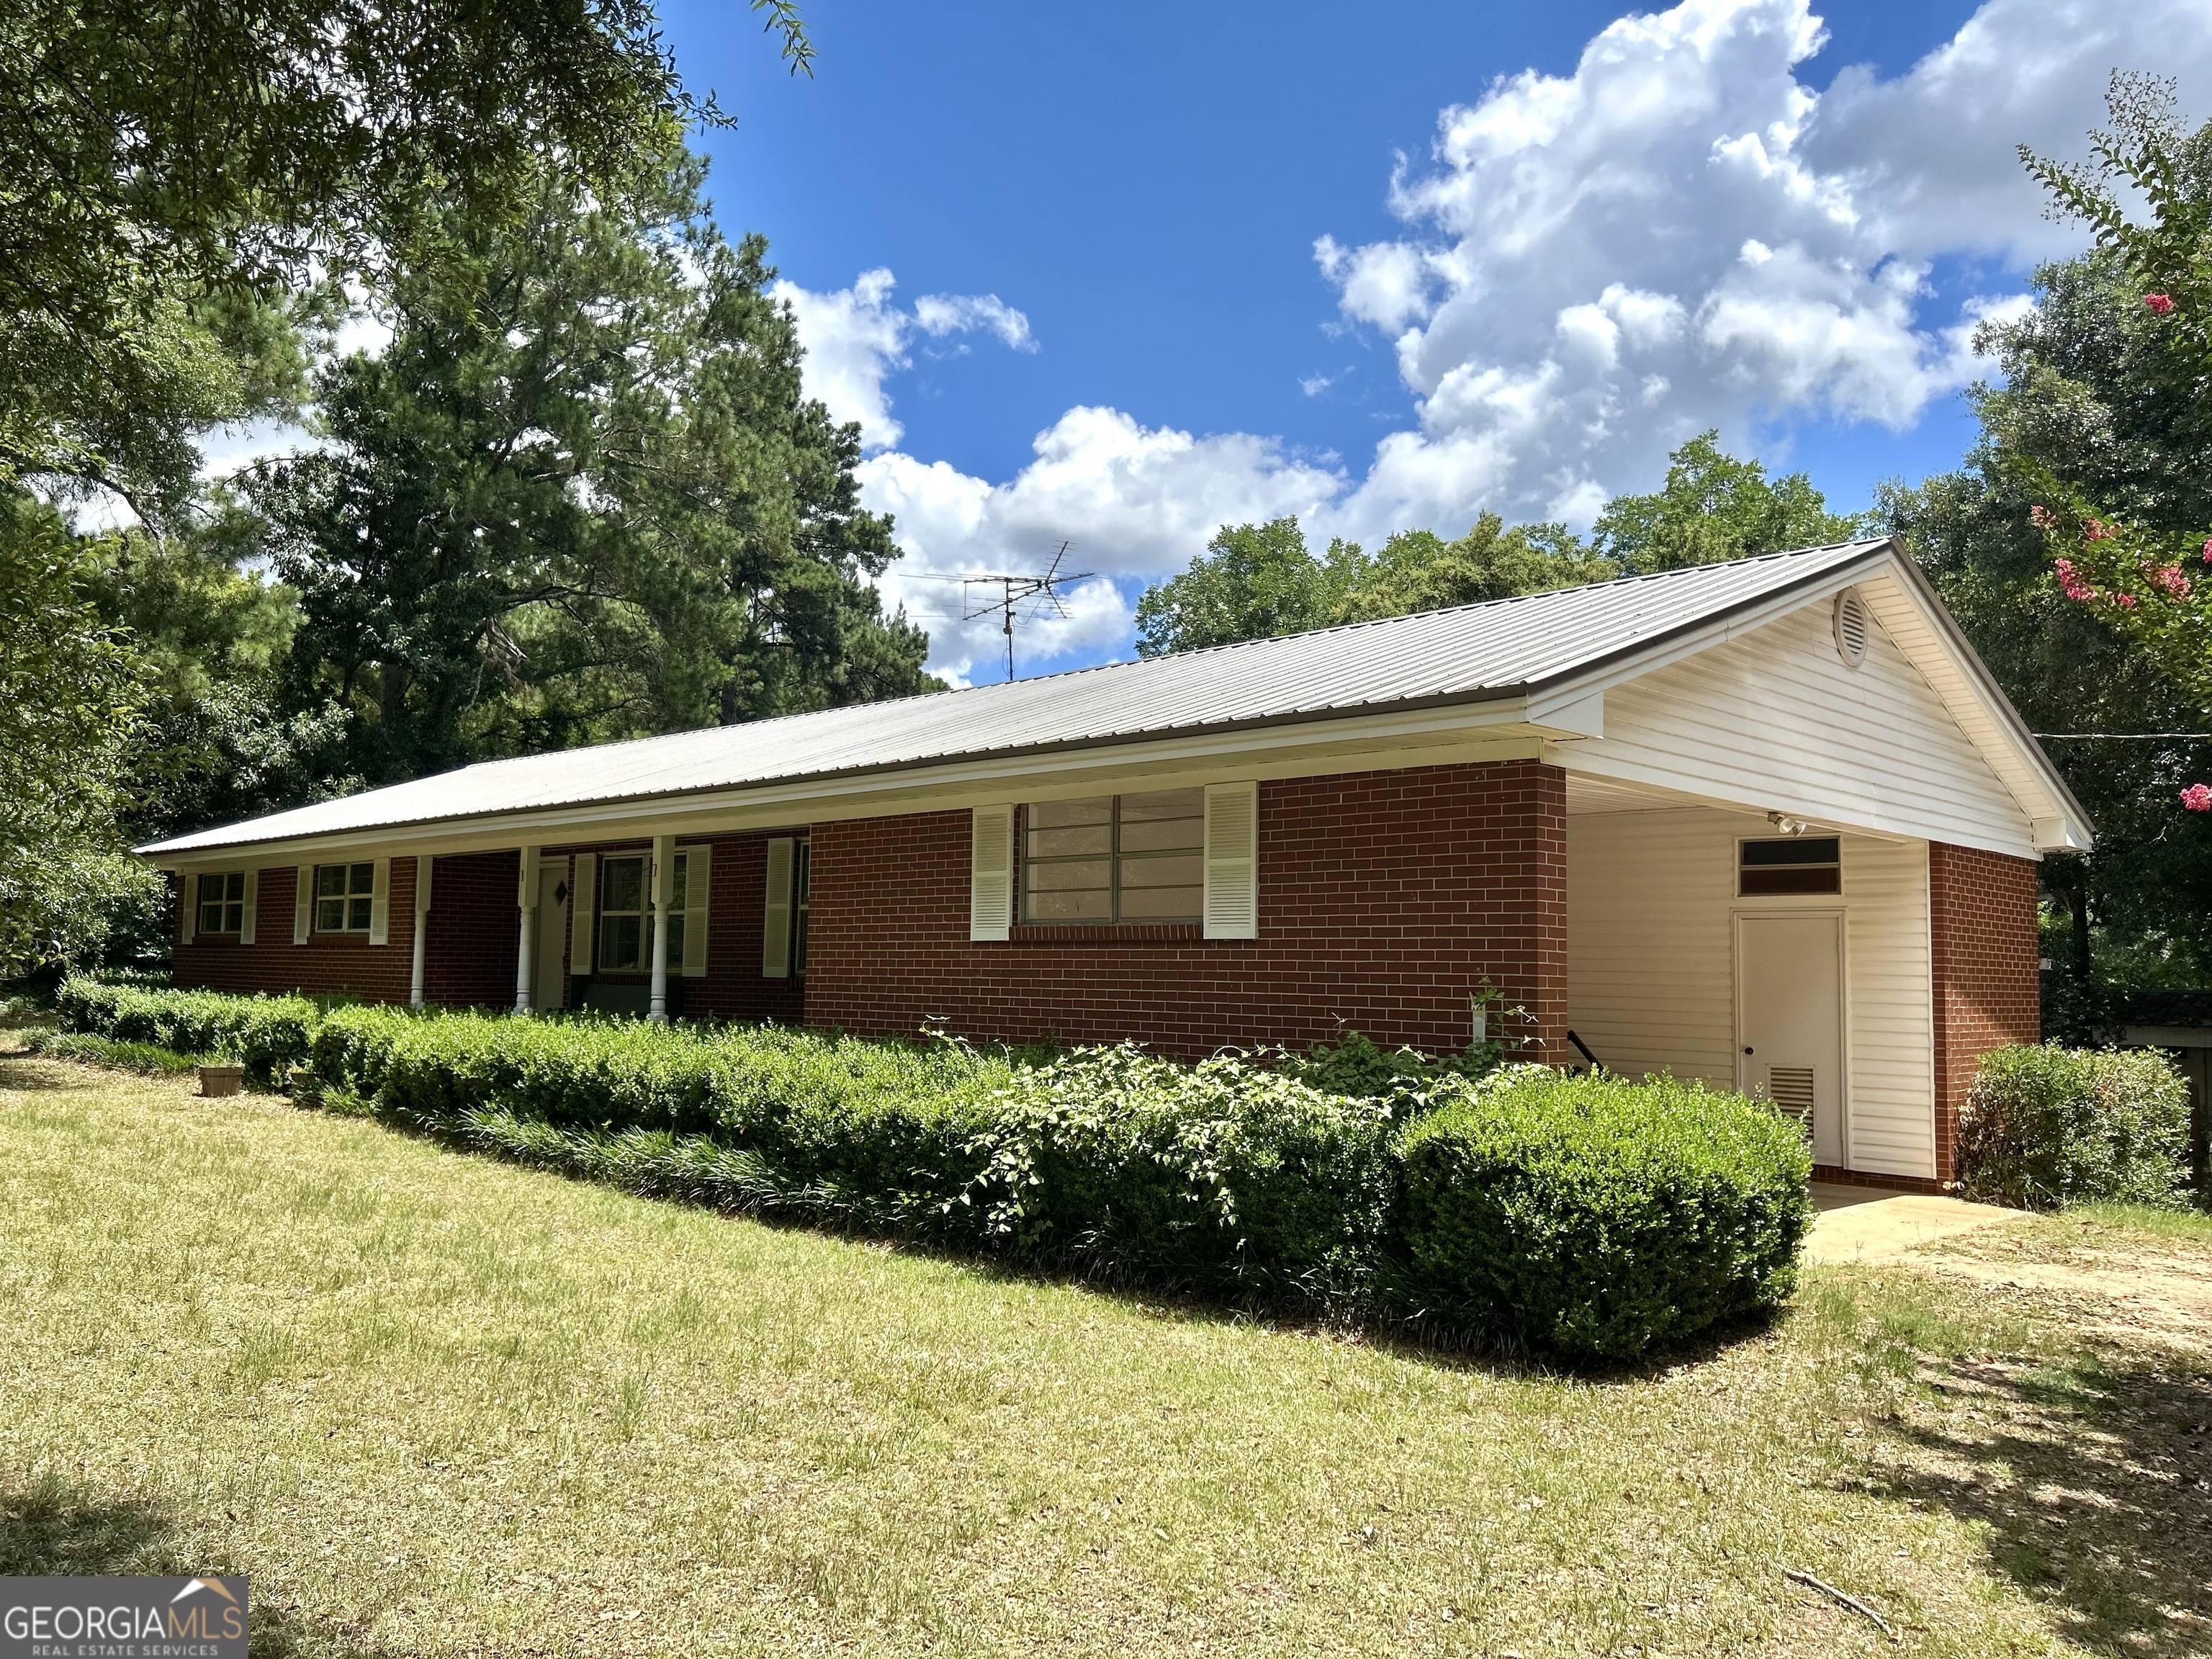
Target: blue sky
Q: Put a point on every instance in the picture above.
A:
(1558, 243)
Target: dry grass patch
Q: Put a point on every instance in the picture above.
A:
(441, 1406)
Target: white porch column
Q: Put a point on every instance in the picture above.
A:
(525, 957)
(664, 878)
(422, 927)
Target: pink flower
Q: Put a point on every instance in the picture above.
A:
(2042, 517)
(2169, 577)
(2207, 551)
(2160, 304)
(2070, 581)
(2197, 798)
(2125, 601)
(2096, 530)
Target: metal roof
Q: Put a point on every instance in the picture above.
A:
(1473, 654)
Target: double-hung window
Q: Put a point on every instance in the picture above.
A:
(345, 898)
(1115, 859)
(626, 912)
(622, 913)
(222, 903)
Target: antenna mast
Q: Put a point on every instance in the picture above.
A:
(1015, 591)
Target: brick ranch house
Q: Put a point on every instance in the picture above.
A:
(1768, 823)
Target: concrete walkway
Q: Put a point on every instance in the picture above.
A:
(1865, 1223)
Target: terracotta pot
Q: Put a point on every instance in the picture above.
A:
(220, 1079)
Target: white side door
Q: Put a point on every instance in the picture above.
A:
(1789, 1021)
(549, 986)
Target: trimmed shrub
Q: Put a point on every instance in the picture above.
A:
(148, 1058)
(2046, 1126)
(265, 1034)
(1600, 1216)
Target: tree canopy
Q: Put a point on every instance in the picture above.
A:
(1713, 508)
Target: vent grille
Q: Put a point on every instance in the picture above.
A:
(1853, 627)
(1790, 1088)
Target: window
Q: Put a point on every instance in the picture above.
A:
(621, 915)
(344, 896)
(1801, 864)
(626, 913)
(1115, 859)
(802, 869)
(222, 903)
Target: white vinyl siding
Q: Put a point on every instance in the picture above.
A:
(1651, 974)
(1777, 719)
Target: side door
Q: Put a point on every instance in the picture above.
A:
(1789, 1021)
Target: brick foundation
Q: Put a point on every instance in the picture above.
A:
(1386, 900)
(1982, 932)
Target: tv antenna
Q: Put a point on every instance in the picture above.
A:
(1014, 591)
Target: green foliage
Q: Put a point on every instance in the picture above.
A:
(579, 497)
(1586, 1215)
(88, 1049)
(1714, 507)
(2049, 1125)
(1599, 1216)
(157, 156)
(1255, 582)
(70, 693)
(267, 1035)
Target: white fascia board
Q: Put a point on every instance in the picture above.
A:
(1498, 729)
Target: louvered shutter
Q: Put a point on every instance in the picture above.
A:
(991, 873)
(1232, 860)
(188, 889)
(775, 912)
(698, 874)
(252, 905)
(303, 901)
(379, 903)
(583, 899)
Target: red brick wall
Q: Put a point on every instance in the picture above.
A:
(376, 973)
(1987, 993)
(473, 935)
(1386, 899)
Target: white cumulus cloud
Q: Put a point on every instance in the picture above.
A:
(857, 337)
(1686, 231)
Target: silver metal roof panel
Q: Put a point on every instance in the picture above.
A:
(1469, 655)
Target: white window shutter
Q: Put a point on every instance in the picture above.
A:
(775, 913)
(583, 898)
(1232, 860)
(991, 873)
(252, 904)
(303, 903)
(698, 874)
(188, 889)
(379, 904)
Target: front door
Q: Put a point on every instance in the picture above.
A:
(550, 984)
(1789, 1021)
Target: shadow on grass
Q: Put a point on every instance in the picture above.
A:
(2095, 1485)
(28, 1073)
(50, 1529)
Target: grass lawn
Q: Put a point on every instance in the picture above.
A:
(436, 1405)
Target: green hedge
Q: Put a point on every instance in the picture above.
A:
(1600, 1216)
(90, 1049)
(1586, 1215)
(1223, 1177)
(2046, 1126)
(265, 1034)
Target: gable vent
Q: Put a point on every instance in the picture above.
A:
(1853, 626)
